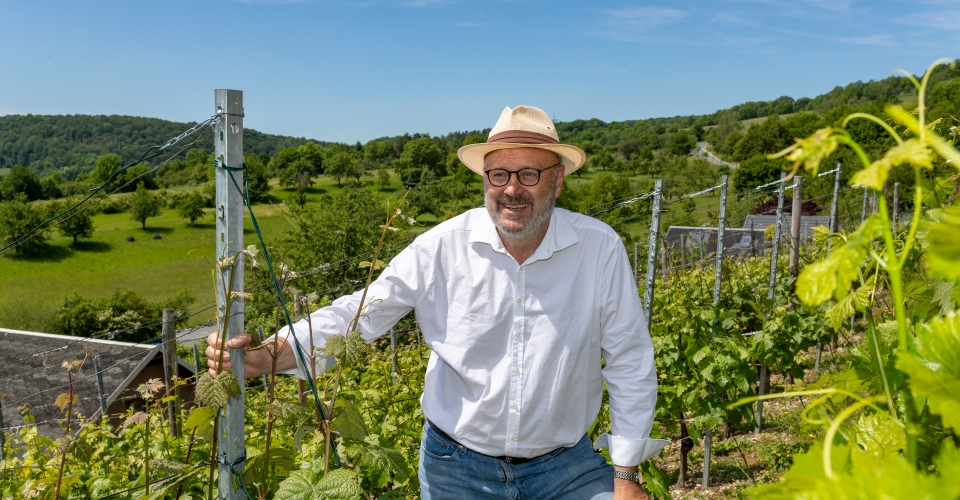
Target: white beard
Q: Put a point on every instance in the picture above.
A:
(542, 210)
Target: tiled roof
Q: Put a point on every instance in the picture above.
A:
(31, 374)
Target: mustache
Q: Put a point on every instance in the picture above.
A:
(515, 200)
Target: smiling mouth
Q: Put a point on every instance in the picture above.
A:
(515, 207)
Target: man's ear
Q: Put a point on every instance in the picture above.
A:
(561, 170)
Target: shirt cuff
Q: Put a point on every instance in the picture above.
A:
(302, 371)
(627, 452)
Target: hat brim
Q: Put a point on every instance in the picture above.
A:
(472, 155)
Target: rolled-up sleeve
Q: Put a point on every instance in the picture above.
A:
(629, 370)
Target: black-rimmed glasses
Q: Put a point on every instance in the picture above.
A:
(528, 176)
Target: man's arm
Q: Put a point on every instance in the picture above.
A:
(391, 296)
(629, 372)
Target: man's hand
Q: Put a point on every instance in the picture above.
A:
(256, 362)
(628, 490)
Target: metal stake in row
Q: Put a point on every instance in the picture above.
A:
(833, 229)
(708, 434)
(771, 291)
(228, 146)
(3, 435)
(652, 252)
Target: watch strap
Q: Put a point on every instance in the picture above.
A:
(629, 476)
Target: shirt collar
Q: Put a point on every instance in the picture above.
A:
(560, 235)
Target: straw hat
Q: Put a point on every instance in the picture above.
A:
(522, 127)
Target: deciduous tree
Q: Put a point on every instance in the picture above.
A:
(20, 180)
(341, 163)
(191, 207)
(420, 157)
(143, 205)
(383, 177)
(756, 171)
(681, 143)
(258, 180)
(78, 224)
(17, 218)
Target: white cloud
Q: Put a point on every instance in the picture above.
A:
(875, 40)
(272, 2)
(423, 3)
(947, 20)
(632, 23)
(729, 18)
(594, 70)
(831, 5)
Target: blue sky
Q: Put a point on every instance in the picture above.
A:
(357, 70)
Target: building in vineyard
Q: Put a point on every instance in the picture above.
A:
(701, 242)
(32, 377)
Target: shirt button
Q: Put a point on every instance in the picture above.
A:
(516, 370)
(513, 438)
(518, 301)
(514, 405)
(518, 334)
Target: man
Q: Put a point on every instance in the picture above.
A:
(518, 302)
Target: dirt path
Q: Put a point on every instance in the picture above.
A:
(701, 152)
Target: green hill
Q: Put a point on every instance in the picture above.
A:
(70, 144)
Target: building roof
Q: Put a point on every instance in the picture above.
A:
(704, 239)
(807, 223)
(32, 376)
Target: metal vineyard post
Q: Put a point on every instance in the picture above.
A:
(708, 434)
(652, 252)
(228, 141)
(169, 337)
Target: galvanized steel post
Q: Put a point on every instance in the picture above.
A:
(708, 434)
(228, 141)
(266, 381)
(796, 212)
(777, 234)
(896, 206)
(196, 364)
(3, 435)
(652, 252)
(833, 229)
(720, 230)
(101, 393)
(771, 291)
(834, 206)
(169, 337)
(863, 211)
(393, 356)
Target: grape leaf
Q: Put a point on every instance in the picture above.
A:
(934, 369)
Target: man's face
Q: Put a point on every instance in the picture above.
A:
(521, 211)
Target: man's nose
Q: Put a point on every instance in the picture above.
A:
(513, 185)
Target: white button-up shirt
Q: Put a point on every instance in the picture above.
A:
(515, 367)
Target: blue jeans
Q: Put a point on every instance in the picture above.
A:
(449, 471)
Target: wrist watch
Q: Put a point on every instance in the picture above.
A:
(629, 476)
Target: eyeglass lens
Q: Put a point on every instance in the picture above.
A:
(527, 176)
